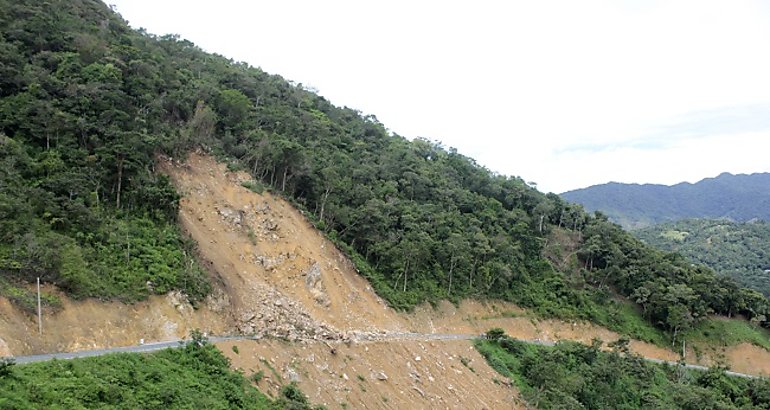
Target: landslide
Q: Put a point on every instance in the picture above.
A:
(275, 275)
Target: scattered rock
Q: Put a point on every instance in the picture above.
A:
(380, 376)
(269, 263)
(291, 375)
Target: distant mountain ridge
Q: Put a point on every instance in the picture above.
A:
(741, 197)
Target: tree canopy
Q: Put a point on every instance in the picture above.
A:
(86, 104)
(733, 249)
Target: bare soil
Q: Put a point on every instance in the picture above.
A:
(275, 275)
(378, 375)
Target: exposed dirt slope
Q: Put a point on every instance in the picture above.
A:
(281, 275)
(276, 275)
(378, 375)
(91, 324)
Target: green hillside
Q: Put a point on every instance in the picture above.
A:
(574, 376)
(737, 250)
(735, 197)
(86, 105)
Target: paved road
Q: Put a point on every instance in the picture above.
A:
(143, 348)
(151, 347)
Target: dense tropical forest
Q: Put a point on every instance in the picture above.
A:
(87, 104)
(574, 376)
(736, 197)
(733, 249)
(196, 376)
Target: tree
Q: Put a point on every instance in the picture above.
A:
(202, 125)
(233, 107)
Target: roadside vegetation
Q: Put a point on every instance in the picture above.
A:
(574, 376)
(196, 376)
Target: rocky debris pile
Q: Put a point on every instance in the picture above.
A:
(276, 315)
(254, 218)
(364, 336)
(231, 216)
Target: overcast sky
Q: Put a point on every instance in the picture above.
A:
(565, 94)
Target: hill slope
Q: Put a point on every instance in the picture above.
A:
(736, 250)
(87, 105)
(735, 197)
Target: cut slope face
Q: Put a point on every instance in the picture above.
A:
(92, 324)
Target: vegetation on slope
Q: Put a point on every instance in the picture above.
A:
(733, 249)
(79, 204)
(86, 104)
(671, 292)
(196, 376)
(574, 376)
(737, 197)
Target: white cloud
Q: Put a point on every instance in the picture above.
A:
(512, 83)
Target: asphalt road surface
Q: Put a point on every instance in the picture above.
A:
(392, 336)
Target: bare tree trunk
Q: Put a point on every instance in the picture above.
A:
(395, 285)
(451, 268)
(323, 203)
(406, 273)
(120, 181)
(470, 275)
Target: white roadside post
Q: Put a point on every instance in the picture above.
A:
(39, 310)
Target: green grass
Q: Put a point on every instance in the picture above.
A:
(624, 317)
(728, 332)
(674, 235)
(272, 369)
(26, 299)
(253, 186)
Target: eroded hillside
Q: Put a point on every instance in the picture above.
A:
(274, 275)
(281, 276)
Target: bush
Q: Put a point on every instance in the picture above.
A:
(253, 186)
(495, 334)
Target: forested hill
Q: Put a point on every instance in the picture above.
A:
(86, 105)
(737, 250)
(736, 197)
